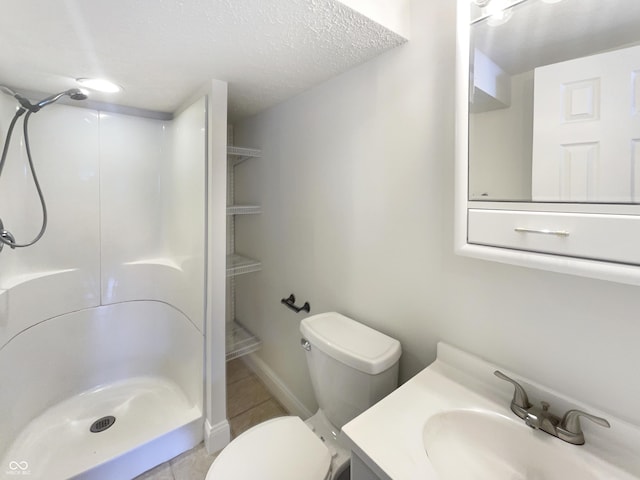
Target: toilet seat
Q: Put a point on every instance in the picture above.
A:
(283, 448)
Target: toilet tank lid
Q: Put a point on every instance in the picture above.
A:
(351, 342)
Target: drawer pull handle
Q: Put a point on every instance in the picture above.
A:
(559, 233)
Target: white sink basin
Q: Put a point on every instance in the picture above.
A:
(452, 421)
(469, 444)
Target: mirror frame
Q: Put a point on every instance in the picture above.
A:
(598, 269)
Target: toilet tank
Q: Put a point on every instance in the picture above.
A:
(352, 366)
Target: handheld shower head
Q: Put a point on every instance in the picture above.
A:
(73, 93)
(77, 94)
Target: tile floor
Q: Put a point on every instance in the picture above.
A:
(248, 403)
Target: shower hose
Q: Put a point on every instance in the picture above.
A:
(6, 238)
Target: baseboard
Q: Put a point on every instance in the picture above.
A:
(216, 437)
(276, 386)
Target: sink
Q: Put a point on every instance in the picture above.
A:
(452, 421)
(478, 445)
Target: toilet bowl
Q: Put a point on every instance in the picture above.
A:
(283, 448)
(351, 367)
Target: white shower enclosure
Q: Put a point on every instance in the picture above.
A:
(106, 315)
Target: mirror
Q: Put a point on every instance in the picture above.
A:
(554, 101)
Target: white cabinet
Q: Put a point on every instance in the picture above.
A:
(239, 340)
(549, 178)
(362, 469)
(559, 233)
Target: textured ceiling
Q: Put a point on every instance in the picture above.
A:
(162, 51)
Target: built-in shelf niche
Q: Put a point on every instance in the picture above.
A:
(239, 340)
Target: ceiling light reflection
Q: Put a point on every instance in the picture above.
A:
(99, 84)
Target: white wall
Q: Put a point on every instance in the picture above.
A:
(501, 142)
(217, 430)
(356, 186)
(392, 14)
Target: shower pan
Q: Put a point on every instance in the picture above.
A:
(102, 321)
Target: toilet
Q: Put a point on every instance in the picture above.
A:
(351, 366)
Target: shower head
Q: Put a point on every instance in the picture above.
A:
(73, 93)
(77, 94)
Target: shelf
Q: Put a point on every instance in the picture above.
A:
(240, 341)
(240, 154)
(238, 265)
(243, 209)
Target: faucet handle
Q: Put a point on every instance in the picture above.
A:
(570, 429)
(520, 402)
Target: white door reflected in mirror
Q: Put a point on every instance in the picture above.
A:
(586, 129)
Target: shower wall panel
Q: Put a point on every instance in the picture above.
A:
(152, 204)
(60, 273)
(115, 287)
(126, 214)
(185, 208)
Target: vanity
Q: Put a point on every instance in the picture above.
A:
(453, 421)
(548, 135)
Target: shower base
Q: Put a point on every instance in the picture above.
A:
(154, 421)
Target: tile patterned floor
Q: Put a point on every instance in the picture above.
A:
(248, 403)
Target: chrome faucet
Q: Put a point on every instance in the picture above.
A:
(540, 418)
(570, 430)
(6, 238)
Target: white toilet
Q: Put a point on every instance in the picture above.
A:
(352, 366)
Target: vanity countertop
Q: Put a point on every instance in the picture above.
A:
(389, 435)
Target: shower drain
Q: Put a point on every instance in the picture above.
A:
(102, 424)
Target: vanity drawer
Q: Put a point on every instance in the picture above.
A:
(614, 238)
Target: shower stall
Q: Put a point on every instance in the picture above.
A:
(109, 361)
